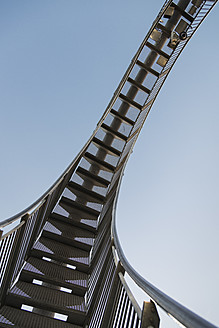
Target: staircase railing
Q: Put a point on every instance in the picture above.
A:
(18, 233)
(177, 311)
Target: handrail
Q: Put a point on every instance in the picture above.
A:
(125, 285)
(46, 194)
(175, 309)
(168, 304)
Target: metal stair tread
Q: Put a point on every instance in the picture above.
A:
(130, 102)
(47, 299)
(79, 206)
(147, 68)
(122, 117)
(111, 150)
(114, 132)
(157, 50)
(98, 180)
(90, 194)
(166, 31)
(102, 164)
(58, 251)
(54, 273)
(183, 12)
(24, 319)
(86, 224)
(139, 85)
(65, 232)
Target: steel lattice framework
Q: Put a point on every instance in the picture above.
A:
(63, 256)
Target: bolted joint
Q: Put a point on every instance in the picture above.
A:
(150, 317)
(174, 40)
(183, 36)
(25, 218)
(120, 268)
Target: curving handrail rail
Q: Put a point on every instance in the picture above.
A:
(182, 314)
(179, 312)
(42, 199)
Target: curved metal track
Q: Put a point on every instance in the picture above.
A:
(63, 240)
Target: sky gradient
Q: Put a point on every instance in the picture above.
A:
(60, 63)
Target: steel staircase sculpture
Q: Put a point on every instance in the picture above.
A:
(61, 261)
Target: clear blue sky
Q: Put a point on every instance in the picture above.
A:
(60, 62)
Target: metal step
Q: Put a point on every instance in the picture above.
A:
(130, 102)
(117, 134)
(55, 250)
(68, 234)
(182, 12)
(88, 224)
(55, 274)
(147, 69)
(110, 150)
(122, 117)
(47, 299)
(76, 205)
(157, 50)
(87, 194)
(16, 318)
(102, 164)
(166, 31)
(139, 85)
(96, 179)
